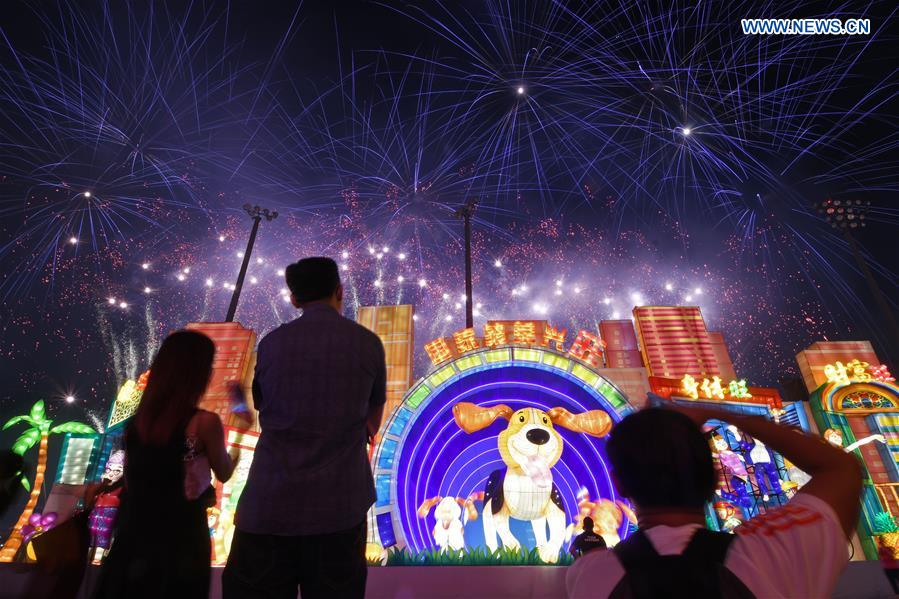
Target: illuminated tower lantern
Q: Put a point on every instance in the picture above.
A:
(722, 356)
(233, 362)
(816, 357)
(624, 364)
(621, 344)
(395, 327)
(675, 342)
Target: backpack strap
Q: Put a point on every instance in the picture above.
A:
(708, 546)
(635, 553)
(635, 550)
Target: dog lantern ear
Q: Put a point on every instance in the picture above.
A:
(471, 512)
(426, 506)
(594, 422)
(471, 417)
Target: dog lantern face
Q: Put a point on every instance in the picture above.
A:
(531, 443)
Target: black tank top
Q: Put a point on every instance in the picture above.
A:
(154, 479)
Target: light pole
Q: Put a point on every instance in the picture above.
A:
(257, 214)
(847, 215)
(465, 213)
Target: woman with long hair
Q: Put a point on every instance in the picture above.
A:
(162, 545)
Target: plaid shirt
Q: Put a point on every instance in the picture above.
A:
(316, 379)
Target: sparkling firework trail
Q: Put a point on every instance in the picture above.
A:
(620, 154)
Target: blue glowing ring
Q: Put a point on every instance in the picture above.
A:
(423, 453)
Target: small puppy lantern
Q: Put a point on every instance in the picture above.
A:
(452, 514)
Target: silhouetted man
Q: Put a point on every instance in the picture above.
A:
(320, 391)
(587, 541)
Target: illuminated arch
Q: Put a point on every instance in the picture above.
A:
(423, 453)
(862, 398)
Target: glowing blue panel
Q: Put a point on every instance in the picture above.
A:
(385, 530)
(388, 449)
(382, 490)
(399, 422)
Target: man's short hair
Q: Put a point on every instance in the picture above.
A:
(662, 459)
(312, 279)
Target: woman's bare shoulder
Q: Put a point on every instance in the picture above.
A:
(204, 419)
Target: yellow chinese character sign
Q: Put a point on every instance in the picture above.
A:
(738, 389)
(836, 373)
(858, 371)
(713, 389)
(438, 350)
(495, 334)
(465, 340)
(552, 334)
(690, 386)
(855, 371)
(587, 347)
(524, 332)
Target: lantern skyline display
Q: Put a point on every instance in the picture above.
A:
(507, 368)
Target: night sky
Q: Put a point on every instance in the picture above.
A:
(621, 153)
